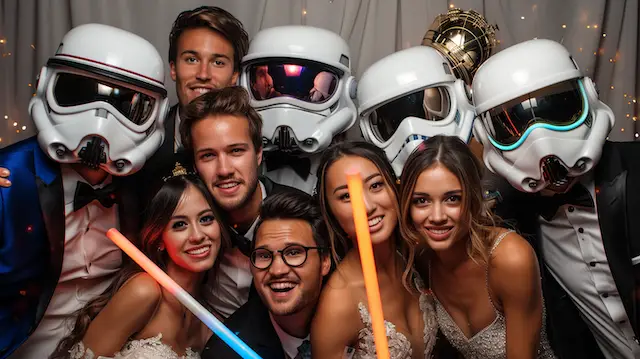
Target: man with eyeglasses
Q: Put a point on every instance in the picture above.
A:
(289, 259)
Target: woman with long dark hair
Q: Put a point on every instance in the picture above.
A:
(342, 318)
(485, 280)
(135, 317)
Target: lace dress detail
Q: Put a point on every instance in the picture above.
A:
(399, 345)
(490, 342)
(150, 348)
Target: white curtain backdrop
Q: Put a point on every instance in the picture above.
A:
(602, 35)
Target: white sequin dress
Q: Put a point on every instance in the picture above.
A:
(151, 348)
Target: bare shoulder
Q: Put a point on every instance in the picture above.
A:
(143, 289)
(336, 322)
(514, 270)
(336, 298)
(512, 253)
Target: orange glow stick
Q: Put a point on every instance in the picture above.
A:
(354, 184)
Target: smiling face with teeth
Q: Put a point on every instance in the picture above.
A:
(228, 162)
(289, 290)
(436, 207)
(204, 61)
(192, 238)
(380, 201)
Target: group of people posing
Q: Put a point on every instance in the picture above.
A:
(542, 268)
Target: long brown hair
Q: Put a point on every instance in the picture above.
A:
(454, 155)
(156, 217)
(340, 243)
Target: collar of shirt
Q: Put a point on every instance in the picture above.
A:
(70, 179)
(249, 234)
(177, 141)
(289, 343)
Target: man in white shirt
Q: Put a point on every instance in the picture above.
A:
(72, 182)
(544, 130)
(290, 259)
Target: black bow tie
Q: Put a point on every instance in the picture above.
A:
(577, 196)
(240, 241)
(301, 165)
(85, 194)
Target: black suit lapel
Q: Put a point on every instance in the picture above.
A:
(611, 198)
(128, 208)
(267, 341)
(170, 131)
(51, 199)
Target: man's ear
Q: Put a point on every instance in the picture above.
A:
(259, 155)
(326, 264)
(172, 66)
(234, 78)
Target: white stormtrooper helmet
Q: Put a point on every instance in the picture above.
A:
(541, 122)
(101, 100)
(299, 79)
(409, 96)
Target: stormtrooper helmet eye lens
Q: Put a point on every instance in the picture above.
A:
(75, 90)
(558, 107)
(306, 81)
(430, 104)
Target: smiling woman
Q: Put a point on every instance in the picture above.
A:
(182, 236)
(485, 280)
(409, 315)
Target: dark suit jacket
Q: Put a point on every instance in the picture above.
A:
(251, 323)
(155, 167)
(617, 176)
(32, 235)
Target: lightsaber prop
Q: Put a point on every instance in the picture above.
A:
(354, 185)
(185, 298)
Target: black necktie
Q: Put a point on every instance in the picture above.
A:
(85, 194)
(301, 165)
(577, 196)
(304, 350)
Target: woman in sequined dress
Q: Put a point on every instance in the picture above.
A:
(135, 317)
(342, 323)
(485, 280)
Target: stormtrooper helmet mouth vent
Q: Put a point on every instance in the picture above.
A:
(93, 153)
(555, 173)
(285, 140)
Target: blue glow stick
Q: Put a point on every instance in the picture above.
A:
(185, 298)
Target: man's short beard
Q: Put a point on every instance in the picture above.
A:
(252, 187)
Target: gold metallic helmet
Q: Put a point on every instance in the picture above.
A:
(465, 38)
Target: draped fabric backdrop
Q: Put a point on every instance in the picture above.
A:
(602, 35)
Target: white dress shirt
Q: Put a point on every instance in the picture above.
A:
(289, 343)
(90, 261)
(230, 287)
(574, 253)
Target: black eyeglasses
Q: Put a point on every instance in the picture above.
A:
(293, 255)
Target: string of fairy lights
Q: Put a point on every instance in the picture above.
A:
(7, 118)
(631, 112)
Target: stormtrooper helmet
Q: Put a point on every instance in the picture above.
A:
(540, 120)
(101, 100)
(299, 79)
(409, 96)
